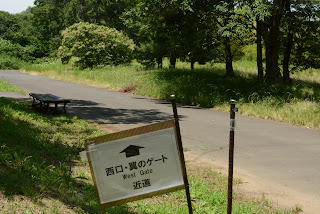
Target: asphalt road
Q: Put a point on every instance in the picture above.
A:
(284, 155)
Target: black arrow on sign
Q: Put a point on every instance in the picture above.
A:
(132, 151)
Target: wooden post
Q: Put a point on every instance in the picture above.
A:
(184, 170)
(233, 111)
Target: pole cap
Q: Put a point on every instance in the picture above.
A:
(232, 101)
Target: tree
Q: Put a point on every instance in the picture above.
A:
(95, 45)
(272, 40)
(233, 29)
(285, 26)
(16, 28)
(106, 12)
(199, 33)
(151, 24)
(177, 29)
(48, 19)
(257, 12)
(300, 30)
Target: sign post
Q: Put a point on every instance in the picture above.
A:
(233, 111)
(184, 170)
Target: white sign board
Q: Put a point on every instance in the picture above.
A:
(137, 166)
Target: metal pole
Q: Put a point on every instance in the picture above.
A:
(184, 170)
(233, 111)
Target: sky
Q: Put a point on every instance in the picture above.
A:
(15, 6)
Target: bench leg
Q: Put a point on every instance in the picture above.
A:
(64, 107)
(56, 107)
(48, 108)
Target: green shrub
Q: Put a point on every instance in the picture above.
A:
(7, 48)
(28, 53)
(9, 62)
(95, 45)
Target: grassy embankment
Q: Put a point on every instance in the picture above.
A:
(41, 171)
(207, 86)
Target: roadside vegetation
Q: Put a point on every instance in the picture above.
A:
(206, 86)
(41, 171)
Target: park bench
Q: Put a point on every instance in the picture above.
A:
(46, 99)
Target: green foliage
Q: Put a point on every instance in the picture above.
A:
(249, 53)
(13, 50)
(10, 28)
(304, 25)
(146, 54)
(95, 12)
(48, 20)
(95, 45)
(9, 62)
(7, 48)
(18, 37)
(175, 29)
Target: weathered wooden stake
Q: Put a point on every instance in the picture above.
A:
(184, 170)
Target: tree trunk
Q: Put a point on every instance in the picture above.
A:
(259, 51)
(273, 43)
(173, 60)
(228, 57)
(81, 10)
(159, 61)
(192, 65)
(286, 59)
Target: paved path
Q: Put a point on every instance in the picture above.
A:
(274, 152)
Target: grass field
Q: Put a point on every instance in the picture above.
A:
(41, 172)
(207, 87)
(5, 86)
(37, 156)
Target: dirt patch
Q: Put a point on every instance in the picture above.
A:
(110, 128)
(252, 187)
(127, 89)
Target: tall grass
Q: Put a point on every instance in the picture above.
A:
(208, 87)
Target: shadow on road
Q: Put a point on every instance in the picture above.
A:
(165, 102)
(95, 112)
